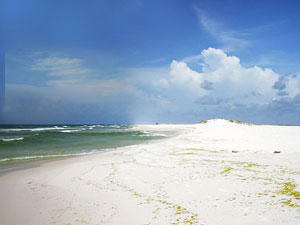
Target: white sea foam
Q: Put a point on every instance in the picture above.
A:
(150, 134)
(62, 129)
(34, 129)
(13, 139)
(114, 126)
(69, 131)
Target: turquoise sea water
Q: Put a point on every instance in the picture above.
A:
(19, 144)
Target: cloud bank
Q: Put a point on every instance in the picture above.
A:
(220, 87)
(225, 88)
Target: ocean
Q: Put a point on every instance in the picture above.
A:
(27, 143)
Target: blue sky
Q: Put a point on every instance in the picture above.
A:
(142, 61)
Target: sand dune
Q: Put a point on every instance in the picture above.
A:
(212, 173)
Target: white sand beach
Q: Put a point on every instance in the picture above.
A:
(211, 174)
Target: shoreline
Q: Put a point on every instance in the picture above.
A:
(39, 163)
(192, 177)
(22, 165)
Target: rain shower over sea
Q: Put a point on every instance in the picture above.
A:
(27, 143)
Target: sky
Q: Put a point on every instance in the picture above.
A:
(149, 61)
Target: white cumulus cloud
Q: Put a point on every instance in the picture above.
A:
(223, 76)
